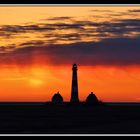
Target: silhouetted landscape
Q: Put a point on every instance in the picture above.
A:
(42, 118)
(74, 117)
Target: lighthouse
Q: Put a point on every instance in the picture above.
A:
(74, 88)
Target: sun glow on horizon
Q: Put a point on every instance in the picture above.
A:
(39, 84)
(36, 82)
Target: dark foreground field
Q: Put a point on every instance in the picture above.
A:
(47, 119)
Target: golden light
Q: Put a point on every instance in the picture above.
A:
(35, 82)
(40, 79)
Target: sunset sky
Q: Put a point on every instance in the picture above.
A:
(38, 46)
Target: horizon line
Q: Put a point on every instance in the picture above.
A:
(62, 102)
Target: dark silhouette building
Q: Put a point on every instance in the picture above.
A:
(74, 90)
(92, 99)
(57, 98)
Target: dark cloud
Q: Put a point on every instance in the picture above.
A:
(101, 10)
(62, 26)
(33, 43)
(119, 51)
(2, 49)
(134, 11)
(130, 22)
(116, 27)
(68, 37)
(113, 52)
(116, 14)
(7, 35)
(23, 29)
(10, 30)
(60, 18)
(122, 13)
(111, 28)
(120, 27)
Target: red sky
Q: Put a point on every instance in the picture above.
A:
(40, 44)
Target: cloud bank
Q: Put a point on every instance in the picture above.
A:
(113, 52)
(118, 42)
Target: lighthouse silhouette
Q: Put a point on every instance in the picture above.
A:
(74, 89)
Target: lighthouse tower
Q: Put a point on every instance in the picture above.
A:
(74, 89)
